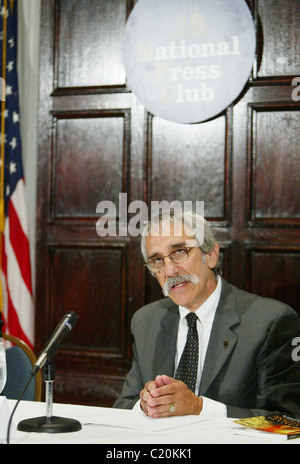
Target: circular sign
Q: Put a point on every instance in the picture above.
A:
(188, 60)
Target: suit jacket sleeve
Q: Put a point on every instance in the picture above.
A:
(278, 374)
(133, 382)
(132, 386)
(154, 329)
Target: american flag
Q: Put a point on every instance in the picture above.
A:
(16, 285)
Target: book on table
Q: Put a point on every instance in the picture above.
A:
(273, 426)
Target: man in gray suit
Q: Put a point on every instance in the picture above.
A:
(244, 342)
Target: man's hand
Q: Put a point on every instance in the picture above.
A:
(169, 397)
(146, 393)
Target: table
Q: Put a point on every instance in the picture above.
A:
(115, 427)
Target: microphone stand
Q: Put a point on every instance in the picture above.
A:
(49, 423)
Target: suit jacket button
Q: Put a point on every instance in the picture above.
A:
(226, 343)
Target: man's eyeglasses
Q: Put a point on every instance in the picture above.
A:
(179, 256)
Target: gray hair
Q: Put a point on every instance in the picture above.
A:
(189, 222)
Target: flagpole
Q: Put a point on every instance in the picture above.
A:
(2, 219)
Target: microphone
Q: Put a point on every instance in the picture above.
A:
(48, 423)
(52, 345)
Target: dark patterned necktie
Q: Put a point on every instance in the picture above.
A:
(188, 365)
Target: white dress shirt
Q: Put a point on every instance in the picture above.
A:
(206, 314)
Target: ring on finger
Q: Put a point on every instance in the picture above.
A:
(171, 407)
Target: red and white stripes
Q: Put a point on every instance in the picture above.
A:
(18, 307)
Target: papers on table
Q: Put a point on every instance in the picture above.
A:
(134, 420)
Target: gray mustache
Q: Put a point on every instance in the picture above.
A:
(177, 279)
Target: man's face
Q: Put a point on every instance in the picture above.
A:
(188, 294)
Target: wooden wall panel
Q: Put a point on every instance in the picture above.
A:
(189, 157)
(90, 126)
(97, 141)
(282, 265)
(280, 21)
(90, 280)
(94, 58)
(275, 164)
(79, 170)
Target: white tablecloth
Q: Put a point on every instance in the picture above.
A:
(119, 427)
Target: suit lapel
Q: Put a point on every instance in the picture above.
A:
(164, 359)
(222, 338)
(221, 343)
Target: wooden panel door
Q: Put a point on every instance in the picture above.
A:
(96, 141)
(91, 150)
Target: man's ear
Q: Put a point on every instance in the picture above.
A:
(212, 258)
